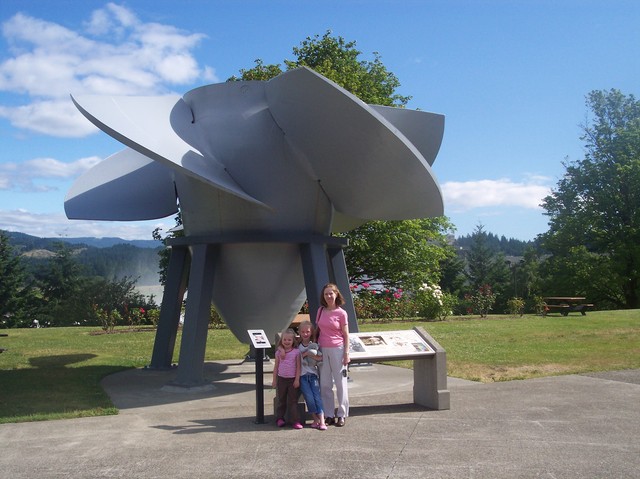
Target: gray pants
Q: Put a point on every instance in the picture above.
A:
(330, 374)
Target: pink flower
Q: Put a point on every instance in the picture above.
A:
(365, 285)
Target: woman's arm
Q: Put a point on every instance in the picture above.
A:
(345, 338)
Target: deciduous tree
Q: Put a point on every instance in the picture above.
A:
(398, 254)
(594, 210)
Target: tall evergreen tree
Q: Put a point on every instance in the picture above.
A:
(14, 291)
(486, 267)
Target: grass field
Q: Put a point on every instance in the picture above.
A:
(55, 373)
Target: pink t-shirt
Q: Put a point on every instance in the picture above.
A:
(287, 364)
(330, 323)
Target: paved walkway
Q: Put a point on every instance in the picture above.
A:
(584, 426)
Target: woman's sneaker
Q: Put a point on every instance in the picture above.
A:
(297, 425)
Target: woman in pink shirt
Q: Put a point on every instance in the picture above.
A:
(333, 338)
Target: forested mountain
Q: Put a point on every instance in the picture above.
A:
(116, 259)
(33, 242)
(509, 247)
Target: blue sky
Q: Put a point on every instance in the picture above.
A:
(510, 77)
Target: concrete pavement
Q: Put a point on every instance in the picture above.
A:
(576, 426)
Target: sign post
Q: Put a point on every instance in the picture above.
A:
(260, 343)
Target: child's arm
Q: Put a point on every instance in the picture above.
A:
(296, 381)
(274, 381)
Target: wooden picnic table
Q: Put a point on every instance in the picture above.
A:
(566, 304)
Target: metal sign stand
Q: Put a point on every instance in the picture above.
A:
(260, 343)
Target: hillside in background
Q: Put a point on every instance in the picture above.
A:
(497, 244)
(33, 242)
(114, 258)
(111, 258)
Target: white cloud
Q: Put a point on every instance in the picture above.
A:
(110, 18)
(51, 225)
(21, 176)
(469, 195)
(116, 55)
(56, 118)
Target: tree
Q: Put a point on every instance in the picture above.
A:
(487, 268)
(59, 282)
(165, 253)
(594, 211)
(398, 254)
(15, 295)
(337, 59)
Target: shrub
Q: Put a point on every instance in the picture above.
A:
(482, 301)
(432, 303)
(515, 306)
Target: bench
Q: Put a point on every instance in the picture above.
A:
(295, 324)
(565, 309)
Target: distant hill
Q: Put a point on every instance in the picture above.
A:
(111, 258)
(509, 247)
(34, 242)
(108, 242)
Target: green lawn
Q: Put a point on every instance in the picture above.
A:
(55, 373)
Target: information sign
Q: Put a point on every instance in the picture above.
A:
(388, 345)
(259, 338)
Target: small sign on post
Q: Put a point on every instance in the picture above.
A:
(260, 343)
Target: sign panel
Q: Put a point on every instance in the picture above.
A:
(259, 338)
(388, 345)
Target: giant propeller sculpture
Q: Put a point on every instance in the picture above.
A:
(263, 172)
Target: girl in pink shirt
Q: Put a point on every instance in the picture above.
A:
(286, 379)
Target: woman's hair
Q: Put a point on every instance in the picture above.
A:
(339, 298)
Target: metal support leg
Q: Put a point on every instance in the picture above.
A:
(316, 274)
(341, 279)
(196, 321)
(174, 290)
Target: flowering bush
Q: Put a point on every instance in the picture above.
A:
(137, 316)
(432, 303)
(108, 319)
(481, 302)
(379, 304)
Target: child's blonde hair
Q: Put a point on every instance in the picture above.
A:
(287, 331)
(308, 323)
